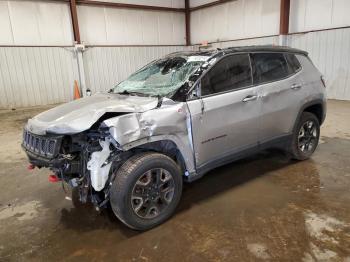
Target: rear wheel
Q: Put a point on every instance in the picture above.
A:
(306, 136)
(146, 190)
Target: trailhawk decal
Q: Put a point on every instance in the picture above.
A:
(212, 139)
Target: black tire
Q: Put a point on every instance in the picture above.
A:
(125, 182)
(297, 143)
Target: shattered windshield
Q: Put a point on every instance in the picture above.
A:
(160, 78)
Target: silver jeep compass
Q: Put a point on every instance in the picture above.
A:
(174, 120)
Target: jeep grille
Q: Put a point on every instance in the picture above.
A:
(45, 146)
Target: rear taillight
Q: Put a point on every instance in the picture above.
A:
(323, 81)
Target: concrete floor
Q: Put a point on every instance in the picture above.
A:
(262, 208)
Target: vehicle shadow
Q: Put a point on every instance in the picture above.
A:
(84, 218)
(233, 175)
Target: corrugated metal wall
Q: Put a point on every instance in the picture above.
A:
(330, 52)
(31, 76)
(235, 20)
(194, 3)
(271, 40)
(44, 75)
(122, 26)
(106, 66)
(36, 75)
(306, 15)
(49, 23)
(164, 3)
(35, 23)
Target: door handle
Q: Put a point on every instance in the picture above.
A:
(296, 86)
(249, 98)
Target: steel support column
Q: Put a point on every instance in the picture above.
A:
(78, 47)
(74, 16)
(187, 22)
(284, 21)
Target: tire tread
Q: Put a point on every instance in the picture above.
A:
(296, 154)
(127, 169)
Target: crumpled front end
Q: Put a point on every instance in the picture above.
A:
(79, 115)
(170, 122)
(87, 157)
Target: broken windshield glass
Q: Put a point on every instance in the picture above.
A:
(160, 78)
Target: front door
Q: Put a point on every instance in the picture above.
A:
(224, 118)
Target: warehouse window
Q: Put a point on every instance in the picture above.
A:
(230, 73)
(269, 67)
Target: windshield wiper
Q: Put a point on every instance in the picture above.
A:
(126, 92)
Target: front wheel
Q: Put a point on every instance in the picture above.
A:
(305, 137)
(146, 190)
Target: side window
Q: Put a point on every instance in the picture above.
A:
(293, 63)
(269, 67)
(230, 73)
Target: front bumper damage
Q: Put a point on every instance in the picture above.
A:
(99, 167)
(88, 159)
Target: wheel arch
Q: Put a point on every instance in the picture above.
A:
(166, 147)
(171, 146)
(316, 107)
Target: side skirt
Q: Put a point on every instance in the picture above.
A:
(282, 142)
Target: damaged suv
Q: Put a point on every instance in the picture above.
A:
(174, 120)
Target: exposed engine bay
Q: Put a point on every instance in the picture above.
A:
(87, 160)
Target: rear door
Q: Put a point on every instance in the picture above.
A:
(224, 119)
(279, 90)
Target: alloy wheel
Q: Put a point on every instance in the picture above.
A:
(152, 193)
(307, 137)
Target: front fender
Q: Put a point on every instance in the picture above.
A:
(181, 142)
(170, 122)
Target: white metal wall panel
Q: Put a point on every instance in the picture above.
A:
(162, 3)
(121, 26)
(306, 15)
(271, 40)
(44, 75)
(6, 36)
(31, 76)
(54, 23)
(106, 66)
(35, 23)
(194, 3)
(341, 9)
(329, 50)
(234, 20)
(25, 26)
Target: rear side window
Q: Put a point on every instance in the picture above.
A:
(293, 63)
(269, 67)
(230, 73)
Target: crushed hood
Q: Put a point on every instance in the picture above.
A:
(81, 114)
